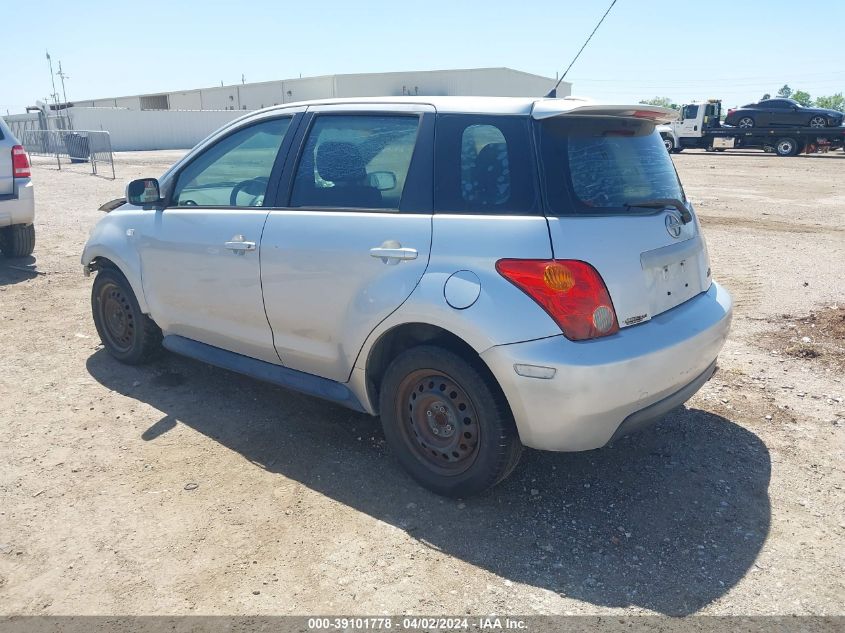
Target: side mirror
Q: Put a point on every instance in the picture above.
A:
(382, 180)
(144, 193)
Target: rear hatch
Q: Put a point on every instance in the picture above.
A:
(614, 201)
(7, 180)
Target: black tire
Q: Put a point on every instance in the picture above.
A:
(669, 144)
(818, 121)
(449, 427)
(786, 147)
(749, 122)
(127, 333)
(17, 240)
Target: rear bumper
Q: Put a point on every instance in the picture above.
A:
(655, 412)
(606, 388)
(18, 208)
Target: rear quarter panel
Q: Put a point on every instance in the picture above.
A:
(502, 313)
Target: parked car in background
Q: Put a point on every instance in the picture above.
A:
(782, 112)
(483, 273)
(17, 202)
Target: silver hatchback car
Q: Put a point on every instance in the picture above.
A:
(483, 273)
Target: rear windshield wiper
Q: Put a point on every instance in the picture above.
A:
(662, 203)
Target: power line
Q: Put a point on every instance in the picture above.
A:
(553, 92)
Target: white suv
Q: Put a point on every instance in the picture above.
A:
(17, 202)
(483, 273)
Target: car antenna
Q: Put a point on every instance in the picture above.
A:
(552, 94)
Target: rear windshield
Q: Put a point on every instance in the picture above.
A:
(598, 166)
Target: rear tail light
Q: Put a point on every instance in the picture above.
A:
(571, 291)
(20, 162)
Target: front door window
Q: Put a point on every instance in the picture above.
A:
(233, 172)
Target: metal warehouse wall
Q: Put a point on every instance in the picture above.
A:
(193, 114)
(492, 82)
(501, 82)
(152, 129)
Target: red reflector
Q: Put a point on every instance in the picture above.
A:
(20, 162)
(570, 291)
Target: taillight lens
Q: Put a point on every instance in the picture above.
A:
(20, 162)
(571, 291)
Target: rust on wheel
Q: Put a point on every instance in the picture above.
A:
(116, 317)
(439, 421)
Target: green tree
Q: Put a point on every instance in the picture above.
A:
(663, 102)
(766, 96)
(832, 102)
(802, 97)
(785, 92)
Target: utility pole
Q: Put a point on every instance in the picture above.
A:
(63, 76)
(243, 81)
(53, 81)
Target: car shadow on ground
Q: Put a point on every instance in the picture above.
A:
(667, 520)
(14, 270)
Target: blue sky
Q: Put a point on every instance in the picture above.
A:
(645, 48)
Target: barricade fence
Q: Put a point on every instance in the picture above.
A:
(75, 146)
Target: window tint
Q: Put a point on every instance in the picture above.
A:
(600, 165)
(779, 104)
(355, 161)
(485, 168)
(234, 171)
(484, 164)
(690, 111)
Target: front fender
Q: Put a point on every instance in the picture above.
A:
(113, 239)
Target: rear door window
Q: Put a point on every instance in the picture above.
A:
(484, 164)
(355, 162)
(598, 166)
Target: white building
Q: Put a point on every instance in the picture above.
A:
(501, 82)
(178, 120)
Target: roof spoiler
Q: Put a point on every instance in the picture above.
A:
(549, 108)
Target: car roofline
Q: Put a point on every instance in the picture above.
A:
(537, 107)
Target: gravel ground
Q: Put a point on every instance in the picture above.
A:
(180, 488)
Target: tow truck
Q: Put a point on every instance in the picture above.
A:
(700, 126)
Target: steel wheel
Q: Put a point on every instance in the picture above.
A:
(117, 317)
(818, 121)
(669, 144)
(786, 147)
(745, 122)
(441, 423)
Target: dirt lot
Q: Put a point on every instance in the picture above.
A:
(732, 505)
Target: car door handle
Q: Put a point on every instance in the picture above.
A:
(239, 245)
(398, 253)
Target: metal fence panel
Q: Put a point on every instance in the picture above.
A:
(20, 123)
(76, 146)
